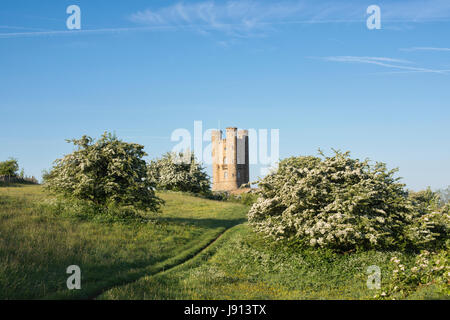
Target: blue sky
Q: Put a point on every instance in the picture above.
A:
(311, 69)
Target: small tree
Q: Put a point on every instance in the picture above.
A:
(179, 172)
(9, 168)
(103, 172)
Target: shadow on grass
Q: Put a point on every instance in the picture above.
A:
(206, 223)
(4, 184)
(10, 185)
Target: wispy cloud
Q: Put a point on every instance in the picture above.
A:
(236, 18)
(397, 64)
(415, 10)
(426, 49)
(20, 28)
(78, 32)
(373, 60)
(246, 16)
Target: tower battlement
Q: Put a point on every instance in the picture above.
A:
(230, 159)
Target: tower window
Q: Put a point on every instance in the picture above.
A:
(225, 175)
(239, 174)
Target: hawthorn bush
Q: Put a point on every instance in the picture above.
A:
(106, 172)
(430, 226)
(179, 172)
(341, 203)
(428, 269)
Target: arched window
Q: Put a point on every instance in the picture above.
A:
(225, 175)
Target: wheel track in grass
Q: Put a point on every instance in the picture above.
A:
(100, 287)
(168, 266)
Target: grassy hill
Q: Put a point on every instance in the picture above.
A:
(194, 249)
(37, 246)
(239, 265)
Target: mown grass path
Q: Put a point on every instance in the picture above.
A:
(188, 257)
(140, 289)
(163, 266)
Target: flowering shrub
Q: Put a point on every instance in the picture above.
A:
(446, 209)
(171, 173)
(428, 230)
(426, 200)
(337, 202)
(430, 225)
(83, 210)
(429, 268)
(247, 198)
(444, 195)
(106, 172)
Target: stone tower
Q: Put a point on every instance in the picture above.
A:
(230, 159)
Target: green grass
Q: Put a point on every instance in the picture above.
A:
(240, 265)
(194, 249)
(37, 246)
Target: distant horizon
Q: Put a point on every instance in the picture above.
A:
(252, 167)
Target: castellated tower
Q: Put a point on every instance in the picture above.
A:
(230, 159)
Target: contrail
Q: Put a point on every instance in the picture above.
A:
(75, 32)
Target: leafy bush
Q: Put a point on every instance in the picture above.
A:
(430, 224)
(84, 210)
(247, 198)
(9, 168)
(106, 172)
(445, 195)
(430, 268)
(335, 202)
(179, 172)
(425, 200)
(446, 208)
(218, 195)
(430, 230)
